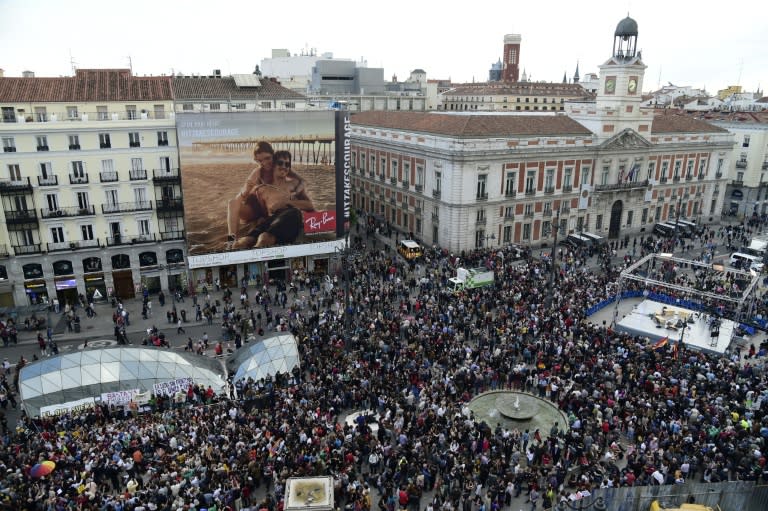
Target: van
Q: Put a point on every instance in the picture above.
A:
(691, 226)
(596, 239)
(664, 229)
(745, 261)
(576, 241)
(409, 249)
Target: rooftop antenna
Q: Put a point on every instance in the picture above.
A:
(130, 63)
(72, 62)
(741, 68)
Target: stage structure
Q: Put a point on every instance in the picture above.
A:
(736, 307)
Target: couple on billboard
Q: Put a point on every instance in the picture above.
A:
(273, 197)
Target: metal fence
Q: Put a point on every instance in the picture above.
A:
(730, 496)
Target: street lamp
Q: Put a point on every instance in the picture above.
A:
(491, 237)
(598, 504)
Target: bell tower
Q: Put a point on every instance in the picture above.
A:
(511, 64)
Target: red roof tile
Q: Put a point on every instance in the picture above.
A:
(472, 125)
(224, 88)
(678, 123)
(88, 85)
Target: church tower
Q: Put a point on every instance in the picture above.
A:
(511, 69)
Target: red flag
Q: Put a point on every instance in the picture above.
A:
(661, 343)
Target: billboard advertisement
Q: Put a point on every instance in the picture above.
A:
(263, 185)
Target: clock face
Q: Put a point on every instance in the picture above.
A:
(632, 87)
(610, 84)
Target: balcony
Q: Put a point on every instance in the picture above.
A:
(382, 177)
(509, 218)
(701, 177)
(737, 182)
(371, 174)
(419, 188)
(718, 175)
(741, 164)
(77, 116)
(547, 212)
(482, 196)
(73, 245)
(621, 186)
(392, 200)
(675, 179)
(481, 221)
(406, 184)
(549, 190)
(105, 146)
(688, 177)
(663, 179)
(48, 181)
(75, 179)
(393, 180)
(417, 210)
(171, 235)
(20, 216)
(70, 211)
(130, 240)
(134, 144)
(436, 194)
(435, 218)
(34, 248)
(138, 174)
(43, 148)
(567, 188)
(74, 147)
(169, 204)
(528, 214)
(9, 149)
(509, 194)
(14, 187)
(108, 177)
(530, 191)
(165, 175)
(126, 207)
(765, 165)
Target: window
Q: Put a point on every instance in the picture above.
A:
(162, 138)
(82, 200)
(567, 177)
(419, 175)
(528, 210)
(187, 107)
(383, 168)
(393, 170)
(41, 114)
(144, 229)
(509, 184)
(482, 181)
(406, 171)
(72, 112)
(104, 141)
(480, 215)
(42, 142)
(546, 228)
(74, 142)
(678, 164)
(598, 222)
(86, 231)
(137, 164)
(265, 105)
(165, 164)
(702, 168)
(102, 113)
(479, 238)
(9, 114)
(689, 170)
(438, 182)
(52, 201)
(57, 234)
(644, 216)
(507, 234)
(604, 175)
(530, 180)
(720, 165)
(651, 168)
(133, 139)
(509, 212)
(664, 169)
(159, 111)
(630, 215)
(111, 197)
(373, 164)
(745, 143)
(290, 105)
(215, 106)
(78, 171)
(585, 175)
(549, 180)
(46, 171)
(739, 176)
(9, 145)
(140, 195)
(14, 171)
(130, 112)
(362, 162)
(527, 232)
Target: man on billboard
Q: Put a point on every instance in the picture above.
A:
(283, 201)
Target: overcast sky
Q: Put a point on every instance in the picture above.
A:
(683, 42)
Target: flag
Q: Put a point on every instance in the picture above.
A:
(660, 343)
(631, 174)
(675, 352)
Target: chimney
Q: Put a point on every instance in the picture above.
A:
(28, 74)
(2, 73)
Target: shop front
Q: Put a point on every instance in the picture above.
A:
(202, 278)
(34, 283)
(6, 293)
(177, 270)
(122, 277)
(278, 269)
(252, 272)
(93, 275)
(228, 276)
(65, 282)
(150, 272)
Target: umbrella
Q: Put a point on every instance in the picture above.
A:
(42, 469)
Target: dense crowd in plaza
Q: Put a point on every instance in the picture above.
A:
(414, 355)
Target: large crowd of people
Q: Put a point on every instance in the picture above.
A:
(414, 354)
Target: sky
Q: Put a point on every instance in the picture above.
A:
(686, 43)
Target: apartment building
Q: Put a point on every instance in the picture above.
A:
(90, 188)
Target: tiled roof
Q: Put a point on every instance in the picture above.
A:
(517, 89)
(459, 125)
(679, 123)
(88, 85)
(224, 88)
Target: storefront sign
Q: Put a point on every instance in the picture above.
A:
(264, 254)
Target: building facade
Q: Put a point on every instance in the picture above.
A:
(511, 97)
(606, 165)
(90, 187)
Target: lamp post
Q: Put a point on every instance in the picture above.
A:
(598, 504)
(345, 255)
(491, 237)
